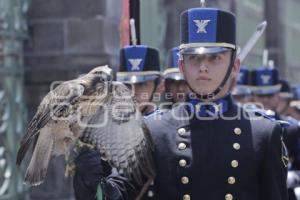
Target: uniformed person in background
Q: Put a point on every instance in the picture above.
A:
(266, 89)
(175, 91)
(140, 70)
(295, 103)
(215, 153)
(294, 112)
(241, 91)
(286, 95)
(176, 88)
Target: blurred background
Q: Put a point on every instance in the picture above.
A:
(42, 41)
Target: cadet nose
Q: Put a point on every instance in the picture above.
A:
(181, 87)
(203, 67)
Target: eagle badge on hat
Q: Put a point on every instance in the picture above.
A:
(201, 24)
(265, 79)
(135, 63)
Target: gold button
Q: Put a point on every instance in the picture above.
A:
(231, 180)
(234, 163)
(181, 146)
(237, 131)
(150, 193)
(236, 146)
(181, 131)
(186, 197)
(182, 163)
(185, 180)
(228, 197)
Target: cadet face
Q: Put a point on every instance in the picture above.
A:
(269, 101)
(204, 73)
(143, 92)
(293, 112)
(282, 106)
(177, 89)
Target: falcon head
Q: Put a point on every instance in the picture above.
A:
(104, 73)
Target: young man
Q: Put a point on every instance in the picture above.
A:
(286, 95)
(214, 154)
(140, 70)
(294, 105)
(266, 89)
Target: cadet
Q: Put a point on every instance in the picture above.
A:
(175, 92)
(295, 103)
(266, 89)
(286, 95)
(176, 88)
(203, 148)
(140, 70)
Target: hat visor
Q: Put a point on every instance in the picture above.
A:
(265, 90)
(203, 50)
(174, 76)
(286, 95)
(137, 78)
(295, 104)
(240, 90)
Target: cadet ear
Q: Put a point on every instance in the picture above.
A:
(180, 65)
(236, 68)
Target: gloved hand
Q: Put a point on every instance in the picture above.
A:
(89, 171)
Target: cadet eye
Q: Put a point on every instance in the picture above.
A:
(215, 58)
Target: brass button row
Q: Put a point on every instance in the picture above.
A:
(234, 163)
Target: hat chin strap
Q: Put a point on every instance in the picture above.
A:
(222, 84)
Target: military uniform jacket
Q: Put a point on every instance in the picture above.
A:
(214, 159)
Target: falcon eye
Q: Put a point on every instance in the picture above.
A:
(98, 72)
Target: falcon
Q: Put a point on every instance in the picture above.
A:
(93, 111)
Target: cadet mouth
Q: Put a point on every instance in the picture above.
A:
(203, 78)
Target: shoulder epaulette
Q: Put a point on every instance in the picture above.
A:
(268, 114)
(155, 113)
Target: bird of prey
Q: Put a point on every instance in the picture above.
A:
(92, 110)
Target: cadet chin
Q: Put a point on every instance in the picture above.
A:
(208, 157)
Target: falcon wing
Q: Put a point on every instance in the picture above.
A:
(119, 133)
(55, 103)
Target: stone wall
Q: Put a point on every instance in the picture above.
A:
(66, 38)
